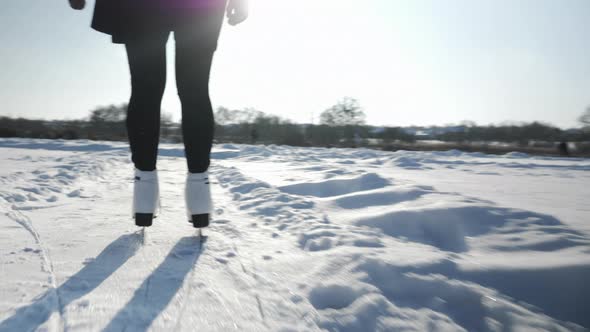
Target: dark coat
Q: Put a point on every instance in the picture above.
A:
(127, 19)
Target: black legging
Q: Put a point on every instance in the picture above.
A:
(195, 45)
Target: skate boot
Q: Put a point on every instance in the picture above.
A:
(146, 197)
(198, 199)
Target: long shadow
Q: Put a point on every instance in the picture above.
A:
(31, 317)
(157, 290)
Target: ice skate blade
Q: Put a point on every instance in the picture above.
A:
(200, 220)
(144, 219)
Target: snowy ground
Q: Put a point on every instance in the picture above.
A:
(303, 239)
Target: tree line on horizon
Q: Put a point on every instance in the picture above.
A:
(342, 125)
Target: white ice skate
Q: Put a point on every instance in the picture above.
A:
(146, 197)
(198, 199)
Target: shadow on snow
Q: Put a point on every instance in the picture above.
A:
(158, 289)
(31, 317)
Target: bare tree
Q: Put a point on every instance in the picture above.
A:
(111, 113)
(585, 118)
(346, 112)
(225, 116)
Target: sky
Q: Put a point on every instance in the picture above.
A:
(408, 62)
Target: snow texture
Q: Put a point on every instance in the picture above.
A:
(301, 239)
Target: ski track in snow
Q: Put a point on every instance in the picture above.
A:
(52, 296)
(302, 239)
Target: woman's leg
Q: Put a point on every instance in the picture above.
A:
(147, 65)
(195, 46)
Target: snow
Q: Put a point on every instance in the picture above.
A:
(302, 239)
